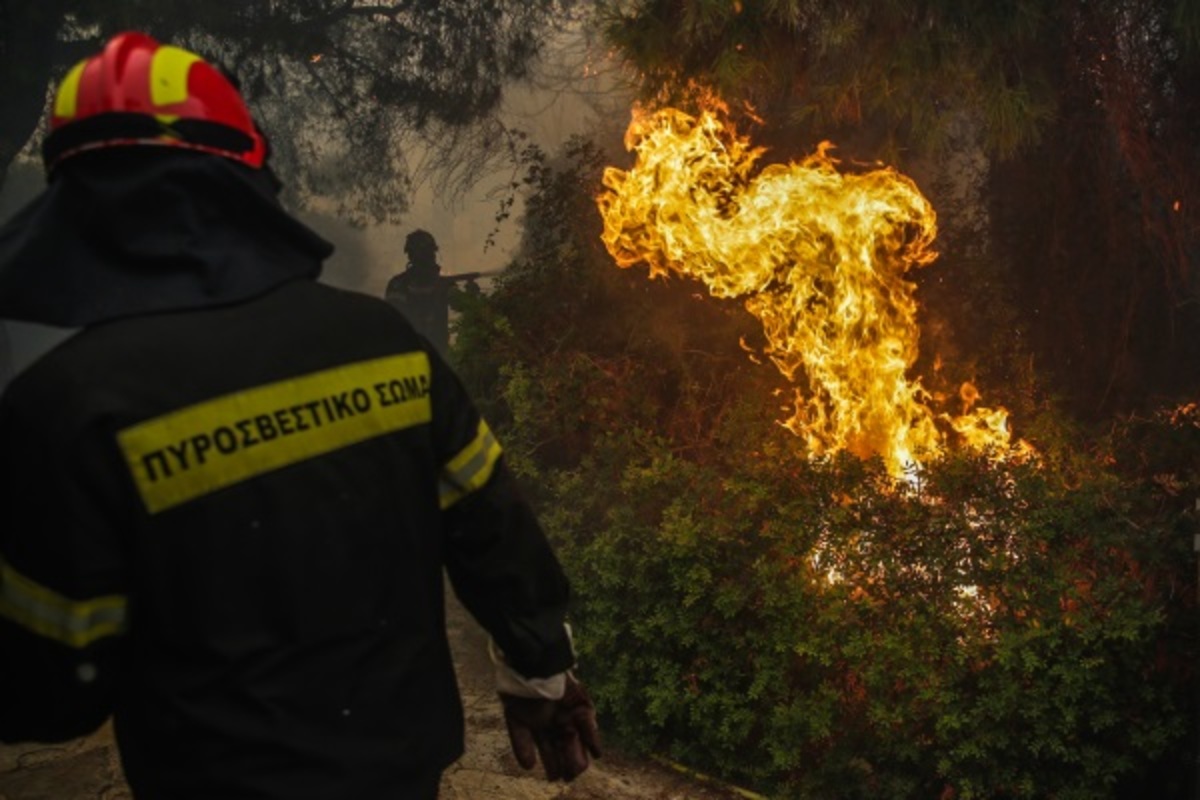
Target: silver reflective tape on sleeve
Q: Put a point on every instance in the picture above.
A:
(75, 623)
(471, 468)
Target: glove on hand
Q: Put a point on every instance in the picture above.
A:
(563, 732)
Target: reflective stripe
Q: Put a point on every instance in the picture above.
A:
(75, 623)
(66, 101)
(169, 75)
(193, 451)
(471, 468)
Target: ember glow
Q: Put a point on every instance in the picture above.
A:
(818, 255)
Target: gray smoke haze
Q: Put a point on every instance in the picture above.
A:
(571, 93)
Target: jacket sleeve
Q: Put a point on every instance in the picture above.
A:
(62, 586)
(497, 556)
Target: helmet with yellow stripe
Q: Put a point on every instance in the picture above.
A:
(138, 92)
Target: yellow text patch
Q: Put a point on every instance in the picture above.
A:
(204, 447)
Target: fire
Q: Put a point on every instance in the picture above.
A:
(818, 255)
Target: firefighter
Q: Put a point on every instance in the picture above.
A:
(420, 292)
(231, 496)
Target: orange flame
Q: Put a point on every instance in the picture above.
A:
(818, 255)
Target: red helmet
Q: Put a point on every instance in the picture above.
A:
(139, 92)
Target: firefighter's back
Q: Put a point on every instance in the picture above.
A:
(276, 472)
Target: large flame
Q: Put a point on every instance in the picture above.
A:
(820, 256)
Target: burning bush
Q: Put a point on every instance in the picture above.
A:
(820, 628)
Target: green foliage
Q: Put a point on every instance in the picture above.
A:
(902, 70)
(817, 629)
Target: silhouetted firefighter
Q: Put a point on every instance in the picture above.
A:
(423, 294)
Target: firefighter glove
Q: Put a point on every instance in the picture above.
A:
(562, 733)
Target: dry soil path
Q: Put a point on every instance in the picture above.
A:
(88, 769)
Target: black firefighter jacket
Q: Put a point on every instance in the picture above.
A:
(227, 526)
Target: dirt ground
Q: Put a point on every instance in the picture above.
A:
(89, 769)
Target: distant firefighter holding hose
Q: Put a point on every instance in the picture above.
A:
(231, 495)
(424, 294)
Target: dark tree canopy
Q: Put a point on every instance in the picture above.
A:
(1086, 111)
(346, 90)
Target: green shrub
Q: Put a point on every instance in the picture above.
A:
(818, 632)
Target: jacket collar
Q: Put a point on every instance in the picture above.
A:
(129, 231)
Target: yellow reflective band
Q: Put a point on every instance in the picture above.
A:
(169, 75)
(66, 100)
(196, 450)
(75, 623)
(470, 469)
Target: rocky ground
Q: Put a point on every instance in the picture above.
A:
(88, 769)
